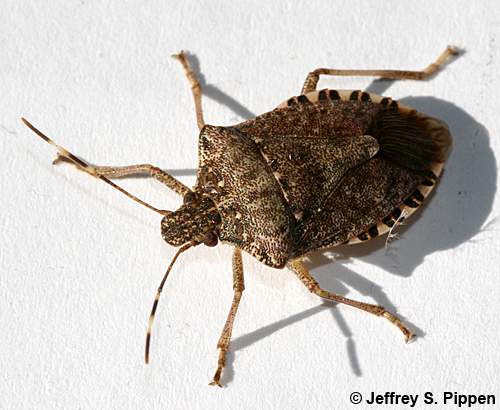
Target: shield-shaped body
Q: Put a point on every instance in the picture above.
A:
(322, 169)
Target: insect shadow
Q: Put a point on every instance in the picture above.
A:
(457, 214)
(463, 202)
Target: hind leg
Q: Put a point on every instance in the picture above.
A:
(313, 77)
(305, 277)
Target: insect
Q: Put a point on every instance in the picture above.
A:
(324, 168)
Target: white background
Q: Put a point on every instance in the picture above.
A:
(80, 263)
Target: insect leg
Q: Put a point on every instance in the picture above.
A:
(225, 337)
(303, 274)
(195, 86)
(313, 77)
(129, 170)
(85, 167)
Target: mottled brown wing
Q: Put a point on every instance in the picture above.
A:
(364, 197)
(309, 168)
(254, 212)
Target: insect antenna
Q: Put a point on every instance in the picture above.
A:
(183, 248)
(89, 169)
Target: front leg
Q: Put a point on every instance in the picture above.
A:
(195, 86)
(225, 337)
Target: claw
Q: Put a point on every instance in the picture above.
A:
(181, 55)
(215, 383)
(453, 50)
(220, 365)
(408, 335)
(60, 158)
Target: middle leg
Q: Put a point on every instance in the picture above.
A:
(225, 338)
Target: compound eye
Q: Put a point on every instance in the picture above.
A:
(211, 239)
(190, 197)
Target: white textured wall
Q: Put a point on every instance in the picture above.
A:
(80, 263)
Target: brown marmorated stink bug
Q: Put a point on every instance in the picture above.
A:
(324, 168)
